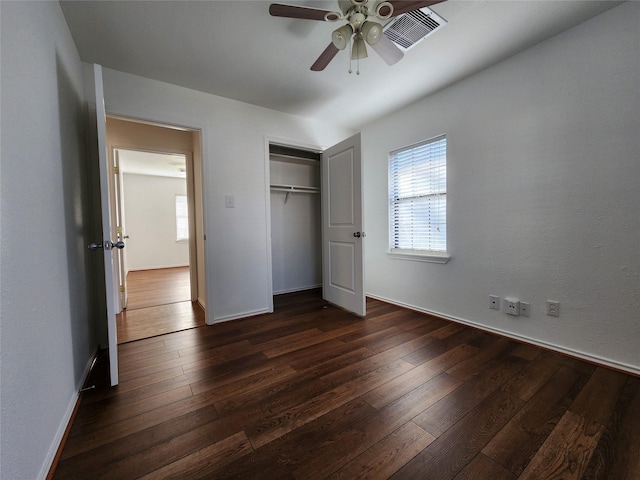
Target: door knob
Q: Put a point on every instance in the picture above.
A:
(357, 234)
(108, 245)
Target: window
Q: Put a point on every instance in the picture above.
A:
(418, 201)
(182, 218)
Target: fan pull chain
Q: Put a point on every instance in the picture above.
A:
(350, 59)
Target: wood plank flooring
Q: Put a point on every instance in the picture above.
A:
(149, 288)
(312, 392)
(159, 302)
(151, 321)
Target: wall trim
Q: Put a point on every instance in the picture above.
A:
(239, 316)
(602, 361)
(297, 289)
(51, 460)
(157, 268)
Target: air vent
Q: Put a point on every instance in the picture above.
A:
(410, 28)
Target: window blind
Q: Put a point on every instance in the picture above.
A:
(418, 196)
(182, 218)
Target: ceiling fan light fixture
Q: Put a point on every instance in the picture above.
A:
(340, 37)
(371, 31)
(359, 49)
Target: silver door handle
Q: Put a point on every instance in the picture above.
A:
(108, 245)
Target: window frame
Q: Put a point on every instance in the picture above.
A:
(178, 218)
(423, 255)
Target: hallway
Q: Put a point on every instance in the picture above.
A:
(158, 303)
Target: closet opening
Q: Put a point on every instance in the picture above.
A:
(296, 222)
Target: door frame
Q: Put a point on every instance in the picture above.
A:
(269, 140)
(191, 201)
(191, 155)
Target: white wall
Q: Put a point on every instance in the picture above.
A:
(47, 339)
(234, 163)
(296, 244)
(543, 193)
(150, 216)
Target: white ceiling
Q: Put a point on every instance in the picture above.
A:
(149, 163)
(235, 49)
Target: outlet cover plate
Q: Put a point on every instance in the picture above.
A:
(512, 306)
(553, 308)
(525, 308)
(494, 302)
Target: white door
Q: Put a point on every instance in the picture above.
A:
(342, 234)
(107, 234)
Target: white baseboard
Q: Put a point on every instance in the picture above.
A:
(160, 267)
(297, 289)
(239, 316)
(522, 338)
(64, 422)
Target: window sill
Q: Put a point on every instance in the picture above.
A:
(431, 257)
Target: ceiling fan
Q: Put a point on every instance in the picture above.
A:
(361, 27)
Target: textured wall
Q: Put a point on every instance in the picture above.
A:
(543, 193)
(47, 339)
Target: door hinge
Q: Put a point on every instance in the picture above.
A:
(119, 230)
(116, 170)
(122, 288)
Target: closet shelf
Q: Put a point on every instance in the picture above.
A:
(295, 189)
(289, 189)
(277, 157)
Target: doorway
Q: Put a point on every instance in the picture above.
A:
(296, 235)
(153, 215)
(158, 211)
(334, 223)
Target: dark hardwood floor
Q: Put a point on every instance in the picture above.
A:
(312, 392)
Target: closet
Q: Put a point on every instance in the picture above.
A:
(296, 234)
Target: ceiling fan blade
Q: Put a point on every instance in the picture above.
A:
(388, 50)
(293, 11)
(404, 6)
(324, 58)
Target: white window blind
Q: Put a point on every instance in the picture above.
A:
(418, 197)
(182, 218)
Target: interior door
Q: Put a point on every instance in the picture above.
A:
(106, 244)
(342, 234)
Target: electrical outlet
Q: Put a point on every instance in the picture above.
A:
(525, 308)
(512, 306)
(553, 308)
(494, 302)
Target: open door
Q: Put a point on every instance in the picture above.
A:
(342, 235)
(106, 244)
